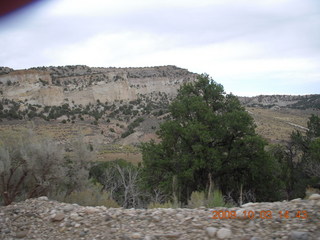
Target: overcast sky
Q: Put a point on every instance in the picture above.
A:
(250, 46)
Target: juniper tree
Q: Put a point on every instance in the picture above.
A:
(209, 135)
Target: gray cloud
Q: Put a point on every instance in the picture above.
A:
(223, 34)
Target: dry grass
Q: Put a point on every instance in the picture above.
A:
(90, 196)
(57, 131)
(276, 125)
(112, 152)
(134, 158)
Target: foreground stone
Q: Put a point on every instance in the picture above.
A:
(45, 219)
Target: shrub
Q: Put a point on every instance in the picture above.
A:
(132, 126)
(216, 200)
(197, 199)
(29, 166)
(174, 203)
(127, 133)
(91, 196)
(121, 180)
(167, 204)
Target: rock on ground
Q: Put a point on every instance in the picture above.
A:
(42, 218)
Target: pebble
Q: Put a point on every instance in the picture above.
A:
(299, 235)
(68, 208)
(296, 200)
(75, 217)
(136, 235)
(211, 231)
(21, 234)
(224, 233)
(173, 235)
(43, 198)
(180, 216)
(91, 210)
(156, 218)
(57, 217)
(314, 196)
(51, 220)
(148, 237)
(249, 204)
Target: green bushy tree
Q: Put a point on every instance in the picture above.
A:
(308, 146)
(209, 135)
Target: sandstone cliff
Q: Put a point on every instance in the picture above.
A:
(109, 101)
(83, 85)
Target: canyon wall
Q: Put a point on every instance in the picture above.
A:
(83, 85)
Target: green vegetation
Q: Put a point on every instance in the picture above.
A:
(313, 101)
(91, 196)
(210, 138)
(117, 148)
(167, 204)
(33, 166)
(132, 126)
(121, 180)
(208, 155)
(299, 163)
(122, 111)
(211, 200)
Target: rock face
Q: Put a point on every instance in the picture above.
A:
(45, 219)
(279, 101)
(83, 85)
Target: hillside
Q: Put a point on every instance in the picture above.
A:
(276, 116)
(113, 116)
(111, 108)
(116, 108)
(277, 102)
(83, 85)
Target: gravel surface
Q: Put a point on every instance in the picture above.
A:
(45, 219)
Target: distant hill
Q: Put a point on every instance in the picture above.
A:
(83, 85)
(116, 108)
(283, 101)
